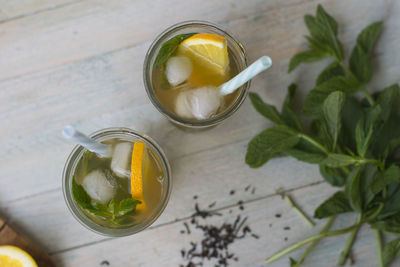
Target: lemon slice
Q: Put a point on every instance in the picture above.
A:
(11, 256)
(208, 50)
(137, 174)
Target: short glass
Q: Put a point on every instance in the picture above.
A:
(123, 134)
(236, 51)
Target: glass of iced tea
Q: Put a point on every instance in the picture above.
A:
(121, 194)
(188, 56)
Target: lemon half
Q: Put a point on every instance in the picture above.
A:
(11, 256)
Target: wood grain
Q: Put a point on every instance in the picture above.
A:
(10, 10)
(82, 64)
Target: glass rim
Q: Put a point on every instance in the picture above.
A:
(147, 68)
(83, 219)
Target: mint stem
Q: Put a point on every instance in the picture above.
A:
(378, 238)
(298, 210)
(314, 143)
(307, 240)
(315, 242)
(346, 252)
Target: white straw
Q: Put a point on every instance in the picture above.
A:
(246, 75)
(70, 133)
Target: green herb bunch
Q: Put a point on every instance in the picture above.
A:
(354, 140)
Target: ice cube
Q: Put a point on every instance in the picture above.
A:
(121, 159)
(200, 103)
(178, 70)
(98, 187)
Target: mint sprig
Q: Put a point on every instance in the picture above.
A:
(118, 213)
(354, 141)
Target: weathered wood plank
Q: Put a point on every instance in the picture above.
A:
(17, 9)
(152, 244)
(90, 28)
(107, 91)
(209, 175)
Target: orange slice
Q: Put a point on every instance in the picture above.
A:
(208, 50)
(11, 256)
(137, 174)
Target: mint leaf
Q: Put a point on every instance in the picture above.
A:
(329, 72)
(268, 143)
(360, 61)
(124, 220)
(333, 176)
(389, 176)
(352, 112)
(111, 206)
(353, 188)
(267, 110)
(389, 100)
(306, 156)
(332, 110)
(360, 64)
(168, 48)
(367, 37)
(306, 57)
(289, 117)
(334, 160)
(315, 98)
(389, 225)
(390, 251)
(100, 213)
(80, 195)
(365, 128)
(336, 204)
(127, 205)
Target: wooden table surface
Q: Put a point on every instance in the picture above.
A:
(80, 62)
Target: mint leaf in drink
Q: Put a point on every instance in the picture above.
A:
(127, 205)
(306, 57)
(168, 48)
(80, 196)
(336, 204)
(315, 98)
(390, 251)
(124, 220)
(332, 175)
(111, 206)
(288, 115)
(332, 110)
(268, 143)
(100, 213)
(267, 110)
(329, 72)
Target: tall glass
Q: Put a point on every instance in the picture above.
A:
(70, 167)
(236, 51)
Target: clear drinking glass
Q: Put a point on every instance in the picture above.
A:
(123, 134)
(236, 51)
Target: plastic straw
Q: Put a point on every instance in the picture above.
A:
(70, 133)
(246, 75)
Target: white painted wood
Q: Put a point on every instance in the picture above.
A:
(161, 246)
(10, 10)
(82, 64)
